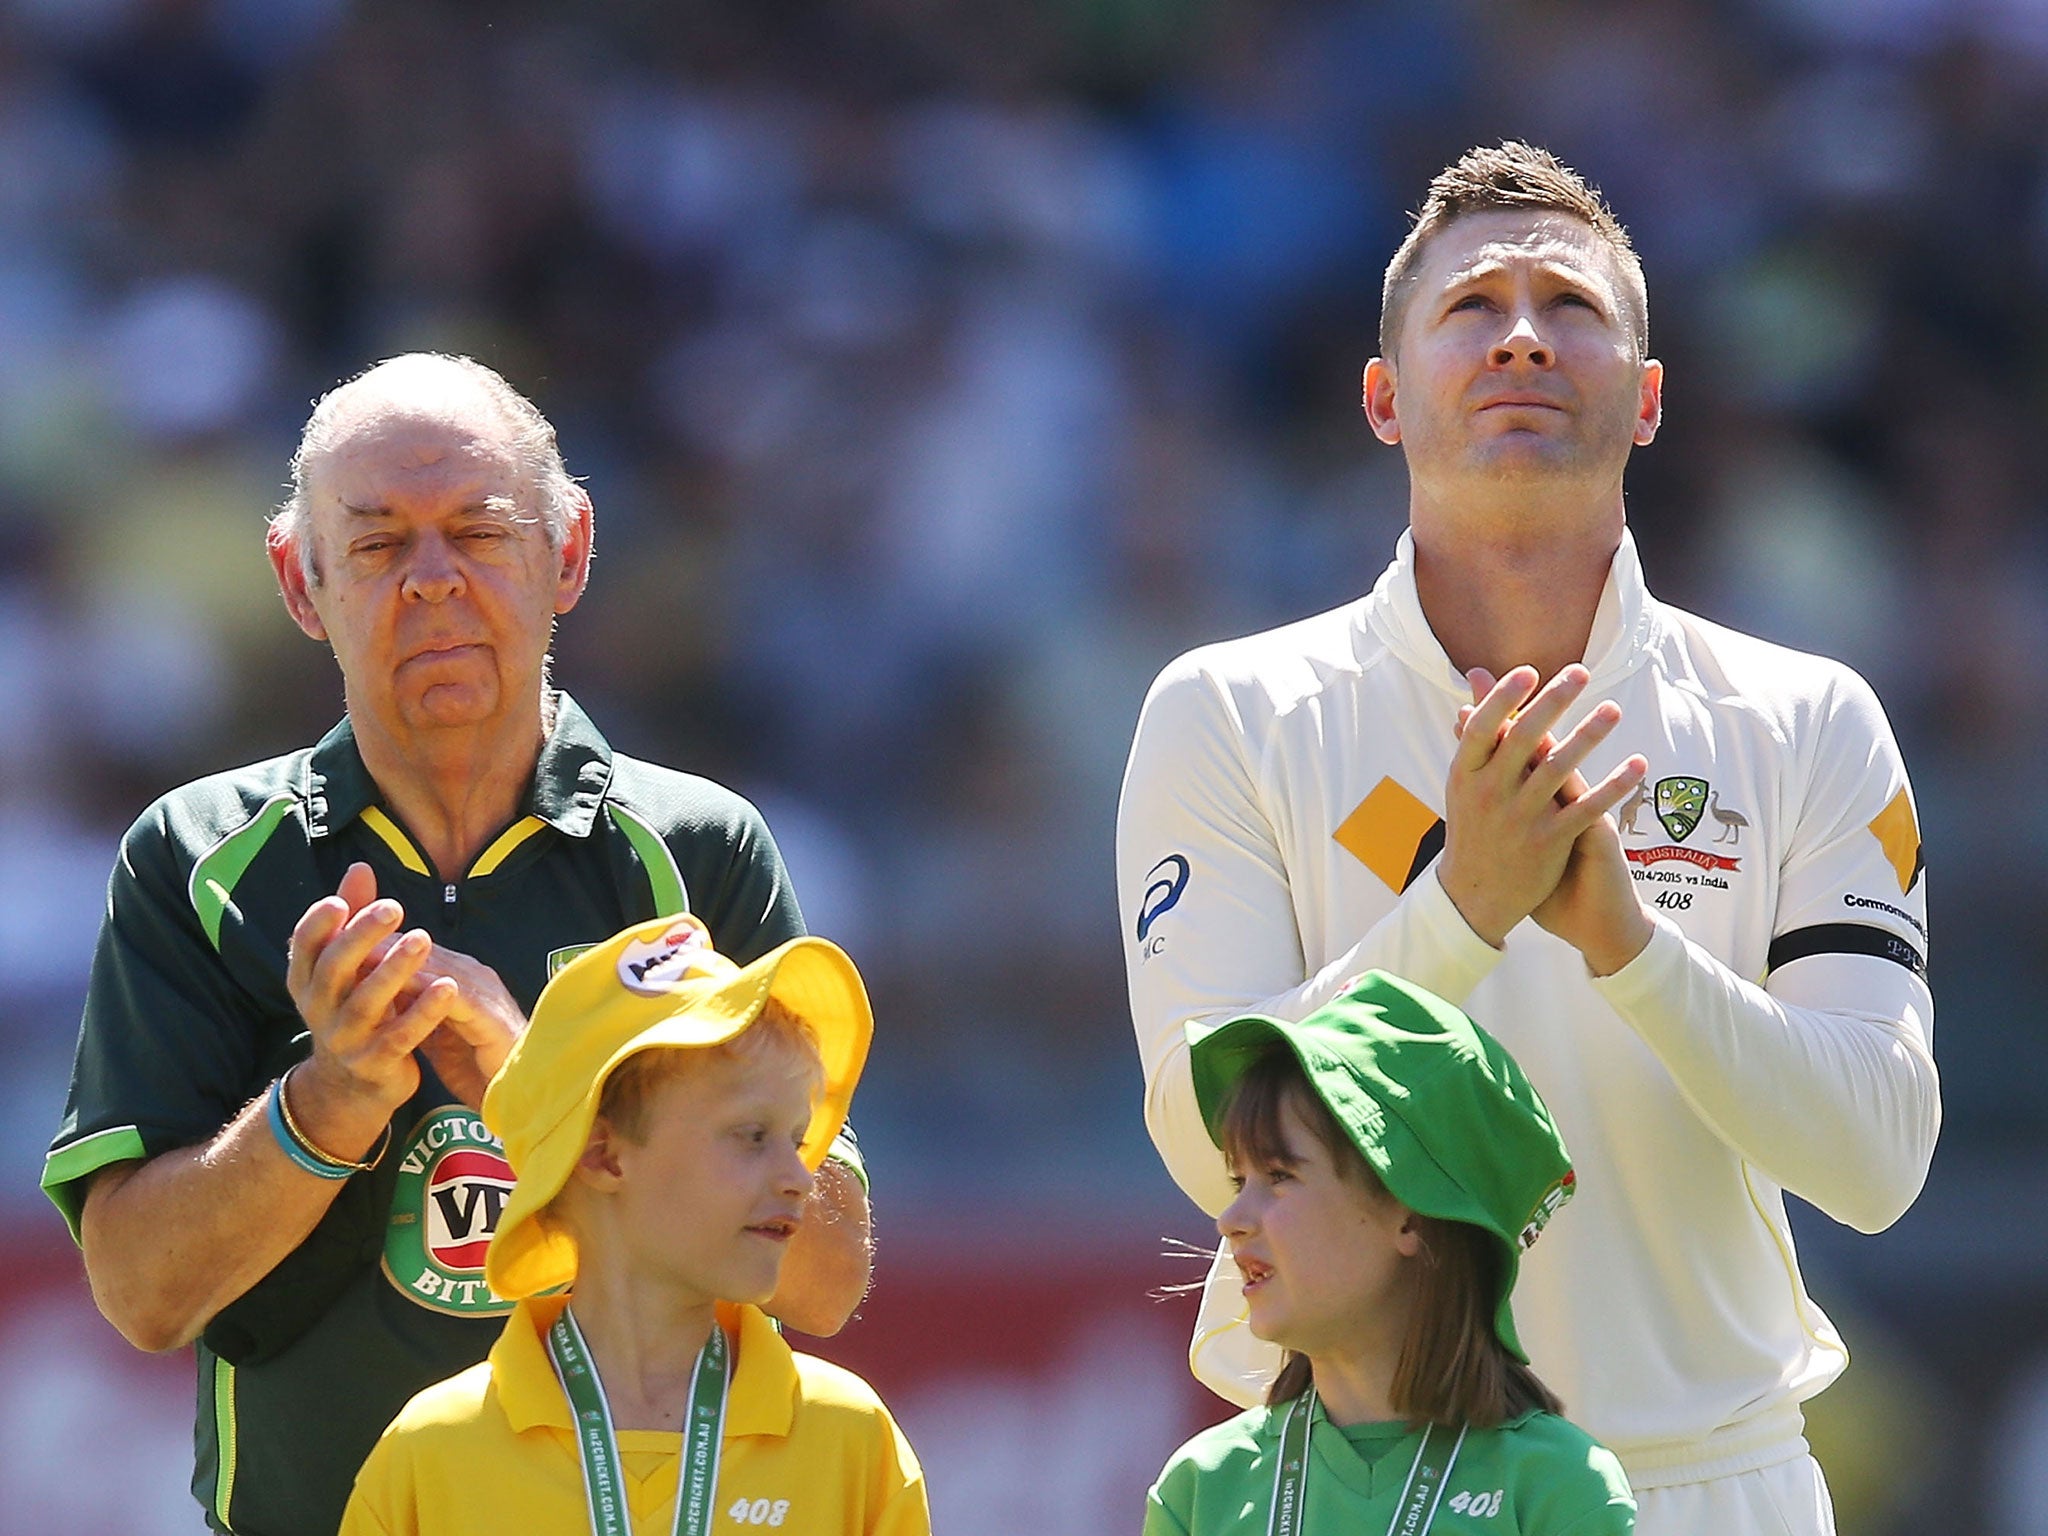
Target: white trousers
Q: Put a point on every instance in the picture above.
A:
(1789, 1499)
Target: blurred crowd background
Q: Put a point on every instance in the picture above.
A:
(939, 370)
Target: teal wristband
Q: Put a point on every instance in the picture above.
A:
(293, 1148)
(299, 1147)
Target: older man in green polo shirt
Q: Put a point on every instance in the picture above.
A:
(311, 966)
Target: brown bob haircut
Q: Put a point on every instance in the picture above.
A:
(1453, 1368)
(1513, 177)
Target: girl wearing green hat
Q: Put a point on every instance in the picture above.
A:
(1392, 1162)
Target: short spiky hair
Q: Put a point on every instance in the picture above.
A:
(1513, 176)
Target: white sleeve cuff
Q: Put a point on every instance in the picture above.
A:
(1458, 959)
(1633, 990)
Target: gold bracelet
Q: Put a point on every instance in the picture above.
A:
(306, 1143)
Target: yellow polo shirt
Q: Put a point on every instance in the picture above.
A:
(809, 1451)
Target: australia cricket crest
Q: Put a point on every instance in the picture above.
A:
(1681, 802)
(453, 1182)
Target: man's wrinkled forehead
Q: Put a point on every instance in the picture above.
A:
(1482, 245)
(1472, 246)
(382, 444)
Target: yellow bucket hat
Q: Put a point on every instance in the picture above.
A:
(656, 984)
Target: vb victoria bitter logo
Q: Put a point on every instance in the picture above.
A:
(453, 1182)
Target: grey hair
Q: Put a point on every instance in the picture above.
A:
(532, 440)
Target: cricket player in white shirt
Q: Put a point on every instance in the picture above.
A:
(1694, 910)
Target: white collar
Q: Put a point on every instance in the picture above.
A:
(1625, 625)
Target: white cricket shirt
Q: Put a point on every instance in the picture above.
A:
(1280, 813)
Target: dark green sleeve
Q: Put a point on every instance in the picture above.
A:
(175, 1041)
(170, 1047)
(747, 901)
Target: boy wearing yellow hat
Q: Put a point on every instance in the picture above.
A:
(664, 1113)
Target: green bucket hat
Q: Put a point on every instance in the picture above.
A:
(1435, 1105)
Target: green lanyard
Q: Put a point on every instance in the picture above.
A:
(1416, 1510)
(703, 1431)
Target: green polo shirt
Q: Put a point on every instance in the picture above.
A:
(1537, 1475)
(187, 1020)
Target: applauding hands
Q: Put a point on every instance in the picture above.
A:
(372, 995)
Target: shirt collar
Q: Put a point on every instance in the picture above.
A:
(521, 1373)
(1625, 625)
(760, 1401)
(574, 771)
(764, 1388)
(338, 787)
(569, 779)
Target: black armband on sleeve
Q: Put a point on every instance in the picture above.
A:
(1844, 939)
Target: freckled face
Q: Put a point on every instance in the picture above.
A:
(1515, 358)
(437, 586)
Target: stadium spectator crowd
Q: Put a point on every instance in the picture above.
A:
(944, 369)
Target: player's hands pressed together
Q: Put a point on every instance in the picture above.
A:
(1595, 908)
(1515, 805)
(1592, 903)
